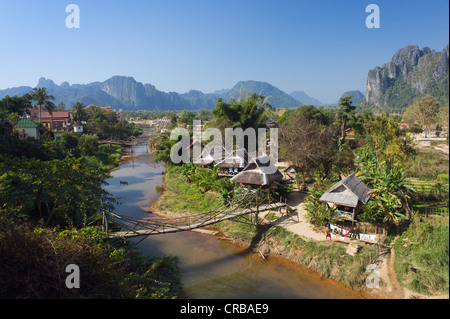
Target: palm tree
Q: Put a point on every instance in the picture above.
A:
(79, 113)
(43, 99)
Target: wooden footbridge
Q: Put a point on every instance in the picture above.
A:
(243, 204)
(116, 140)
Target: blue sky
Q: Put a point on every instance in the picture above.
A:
(322, 47)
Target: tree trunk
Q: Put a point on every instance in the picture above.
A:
(343, 130)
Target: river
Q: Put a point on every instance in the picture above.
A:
(210, 267)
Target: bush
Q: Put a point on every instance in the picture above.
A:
(34, 261)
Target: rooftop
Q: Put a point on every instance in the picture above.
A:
(347, 192)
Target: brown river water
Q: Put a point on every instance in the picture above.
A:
(212, 268)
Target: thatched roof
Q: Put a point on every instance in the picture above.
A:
(237, 159)
(259, 172)
(347, 192)
(211, 155)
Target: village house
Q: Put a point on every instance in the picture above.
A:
(233, 163)
(57, 121)
(348, 196)
(211, 156)
(28, 128)
(78, 127)
(163, 122)
(259, 172)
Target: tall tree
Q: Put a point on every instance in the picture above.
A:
(425, 112)
(79, 114)
(344, 114)
(43, 99)
(244, 114)
(305, 143)
(15, 104)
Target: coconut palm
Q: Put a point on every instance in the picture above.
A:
(43, 99)
(79, 114)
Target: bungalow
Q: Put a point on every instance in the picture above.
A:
(57, 121)
(28, 128)
(234, 163)
(164, 122)
(78, 127)
(259, 172)
(348, 196)
(211, 155)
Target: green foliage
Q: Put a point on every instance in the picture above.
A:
(88, 144)
(43, 100)
(425, 248)
(60, 192)
(181, 196)
(318, 213)
(243, 114)
(388, 186)
(34, 261)
(104, 124)
(15, 105)
(310, 112)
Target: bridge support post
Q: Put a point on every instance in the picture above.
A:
(105, 223)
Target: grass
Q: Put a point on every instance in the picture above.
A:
(422, 257)
(428, 165)
(181, 197)
(328, 259)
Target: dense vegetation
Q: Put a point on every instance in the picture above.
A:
(50, 193)
(422, 252)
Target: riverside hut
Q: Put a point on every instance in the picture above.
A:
(234, 163)
(211, 156)
(348, 196)
(259, 172)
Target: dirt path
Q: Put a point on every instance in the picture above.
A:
(296, 221)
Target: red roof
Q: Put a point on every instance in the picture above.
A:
(46, 115)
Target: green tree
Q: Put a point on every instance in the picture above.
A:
(43, 100)
(88, 144)
(79, 114)
(424, 112)
(345, 113)
(244, 114)
(305, 144)
(388, 185)
(69, 141)
(15, 105)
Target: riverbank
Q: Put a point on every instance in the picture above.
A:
(273, 239)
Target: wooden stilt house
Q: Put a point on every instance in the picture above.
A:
(348, 196)
(211, 156)
(259, 172)
(234, 163)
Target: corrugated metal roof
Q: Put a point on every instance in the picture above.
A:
(26, 123)
(347, 192)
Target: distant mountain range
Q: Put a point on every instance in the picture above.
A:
(356, 96)
(305, 99)
(410, 74)
(128, 94)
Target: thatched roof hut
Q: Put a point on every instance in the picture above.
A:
(259, 172)
(211, 155)
(234, 163)
(348, 196)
